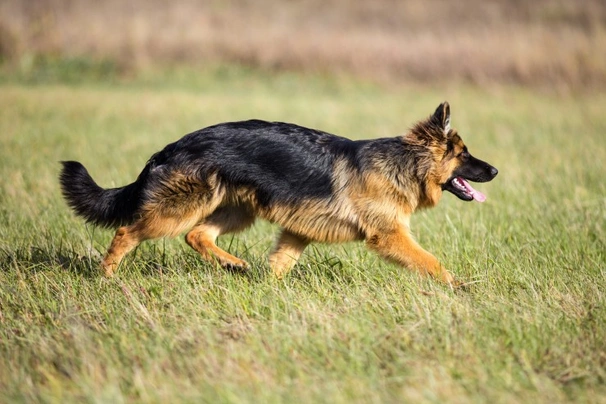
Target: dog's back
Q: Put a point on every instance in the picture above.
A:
(283, 163)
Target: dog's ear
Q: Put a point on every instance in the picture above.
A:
(442, 117)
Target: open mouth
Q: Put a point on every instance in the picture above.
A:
(461, 188)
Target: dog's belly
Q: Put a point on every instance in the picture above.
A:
(317, 220)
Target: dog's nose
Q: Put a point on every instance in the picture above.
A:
(493, 171)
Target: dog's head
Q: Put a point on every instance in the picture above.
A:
(455, 166)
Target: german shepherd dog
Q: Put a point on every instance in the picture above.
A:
(317, 186)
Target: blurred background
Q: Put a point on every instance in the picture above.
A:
(552, 44)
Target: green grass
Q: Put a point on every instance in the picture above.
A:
(344, 326)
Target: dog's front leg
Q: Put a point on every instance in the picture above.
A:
(287, 251)
(398, 246)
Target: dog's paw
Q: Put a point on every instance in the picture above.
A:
(236, 266)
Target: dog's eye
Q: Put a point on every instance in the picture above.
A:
(464, 154)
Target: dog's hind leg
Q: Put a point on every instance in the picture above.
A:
(124, 241)
(287, 251)
(224, 220)
(153, 224)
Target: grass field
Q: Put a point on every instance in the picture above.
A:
(344, 326)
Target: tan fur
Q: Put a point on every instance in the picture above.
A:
(287, 251)
(399, 247)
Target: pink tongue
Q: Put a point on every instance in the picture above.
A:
(477, 195)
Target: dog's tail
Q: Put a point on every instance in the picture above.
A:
(112, 207)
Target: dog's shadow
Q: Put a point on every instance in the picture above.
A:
(36, 259)
(151, 263)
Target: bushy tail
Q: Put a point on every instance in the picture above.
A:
(104, 207)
